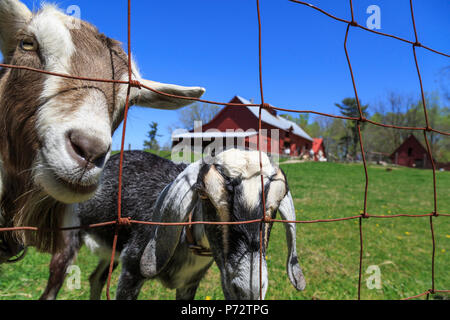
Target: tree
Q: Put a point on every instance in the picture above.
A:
(407, 111)
(152, 143)
(333, 130)
(439, 119)
(196, 112)
(442, 148)
(444, 81)
(350, 141)
(302, 120)
(314, 128)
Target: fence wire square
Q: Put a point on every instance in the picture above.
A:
(415, 45)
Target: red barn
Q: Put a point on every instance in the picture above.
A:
(412, 154)
(236, 124)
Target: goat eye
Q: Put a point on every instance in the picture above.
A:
(28, 44)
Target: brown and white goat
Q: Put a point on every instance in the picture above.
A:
(55, 133)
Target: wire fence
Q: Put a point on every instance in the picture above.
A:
(124, 221)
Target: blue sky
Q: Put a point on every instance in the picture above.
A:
(214, 44)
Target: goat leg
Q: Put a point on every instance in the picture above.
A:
(99, 277)
(187, 293)
(130, 284)
(59, 264)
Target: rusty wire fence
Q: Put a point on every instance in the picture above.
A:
(124, 221)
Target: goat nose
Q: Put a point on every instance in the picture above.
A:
(86, 150)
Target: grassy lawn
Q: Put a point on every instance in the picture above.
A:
(328, 252)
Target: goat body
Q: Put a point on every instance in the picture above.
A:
(158, 190)
(145, 176)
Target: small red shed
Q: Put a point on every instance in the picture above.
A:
(318, 148)
(411, 154)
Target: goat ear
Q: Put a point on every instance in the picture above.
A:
(172, 206)
(13, 16)
(287, 211)
(148, 98)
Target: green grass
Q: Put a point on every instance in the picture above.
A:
(329, 252)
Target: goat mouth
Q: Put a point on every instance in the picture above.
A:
(78, 188)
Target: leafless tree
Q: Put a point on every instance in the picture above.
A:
(203, 112)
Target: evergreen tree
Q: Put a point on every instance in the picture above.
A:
(152, 143)
(350, 141)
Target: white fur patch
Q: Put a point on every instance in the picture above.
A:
(277, 192)
(251, 194)
(214, 186)
(49, 27)
(70, 219)
(98, 248)
(246, 277)
(244, 164)
(92, 118)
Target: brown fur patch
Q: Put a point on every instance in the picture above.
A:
(22, 203)
(96, 56)
(18, 137)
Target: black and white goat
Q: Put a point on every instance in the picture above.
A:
(55, 133)
(225, 189)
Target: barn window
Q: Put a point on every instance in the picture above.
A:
(410, 151)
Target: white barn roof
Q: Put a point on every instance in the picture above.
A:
(213, 134)
(276, 121)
